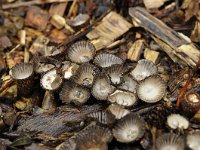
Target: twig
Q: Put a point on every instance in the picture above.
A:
(178, 46)
(7, 85)
(33, 2)
(17, 46)
(71, 8)
(183, 90)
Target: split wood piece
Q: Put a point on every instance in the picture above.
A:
(151, 55)
(136, 50)
(33, 2)
(116, 43)
(178, 46)
(63, 120)
(109, 29)
(54, 124)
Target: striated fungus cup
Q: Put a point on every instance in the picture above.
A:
(123, 98)
(103, 117)
(69, 144)
(72, 92)
(79, 20)
(115, 72)
(102, 87)
(129, 129)
(92, 145)
(151, 89)
(128, 84)
(23, 74)
(118, 111)
(170, 141)
(85, 75)
(93, 138)
(176, 121)
(193, 140)
(143, 69)
(99, 133)
(81, 52)
(107, 60)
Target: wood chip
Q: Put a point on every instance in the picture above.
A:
(58, 9)
(178, 46)
(136, 50)
(110, 28)
(151, 55)
(4, 42)
(37, 18)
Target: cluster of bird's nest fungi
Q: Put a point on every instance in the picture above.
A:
(85, 77)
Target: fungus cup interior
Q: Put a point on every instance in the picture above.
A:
(22, 71)
(51, 80)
